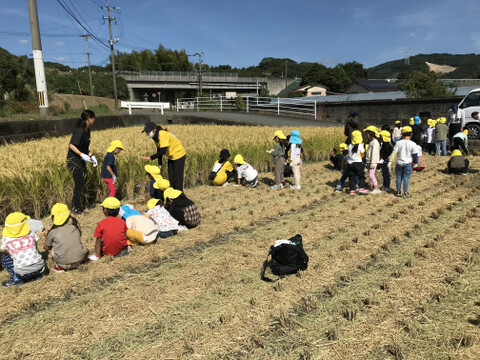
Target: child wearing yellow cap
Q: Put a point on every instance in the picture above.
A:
(336, 156)
(181, 208)
(153, 173)
(63, 240)
(355, 168)
(278, 154)
(109, 166)
(406, 152)
(245, 171)
(429, 137)
(460, 141)
(372, 157)
(397, 131)
(166, 224)
(441, 132)
(457, 163)
(111, 232)
(22, 260)
(386, 149)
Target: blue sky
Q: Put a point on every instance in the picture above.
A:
(241, 33)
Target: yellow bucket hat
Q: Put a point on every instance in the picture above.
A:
(466, 132)
(161, 184)
(443, 120)
(343, 146)
(398, 122)
(357, 137)
(385, 134)
(152, 203)
(111, 203)
(412, 121)
(373, 129)
(115, 144)
(153, 170)
(171, 193)
(16, 225)
(456, 152)
(238, 159)
(280, 134)
(60, 214)
(406, 129)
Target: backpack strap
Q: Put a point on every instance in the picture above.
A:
(265, 265)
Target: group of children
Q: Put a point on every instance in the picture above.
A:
(404, 144)
(287, 152)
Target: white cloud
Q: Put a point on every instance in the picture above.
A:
(59, 43)
(23, 42)
(59, 58)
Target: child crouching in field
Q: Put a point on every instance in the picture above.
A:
(63, 240)
(166, 225)
(222, 169)
(111, 232)
(245, 171)
(355, 168)
(153, 173)
(109, 166)
(405, 150)
(141, 229)
(181, 208)
(457, 163)
(160, 186)
(22, 260)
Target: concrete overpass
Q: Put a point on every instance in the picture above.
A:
(145, 85)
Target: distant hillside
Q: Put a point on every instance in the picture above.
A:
(465, 66)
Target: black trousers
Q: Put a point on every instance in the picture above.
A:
(458, 144)
(175, 172)
(356, 169)
(452, 130)
(79, 172)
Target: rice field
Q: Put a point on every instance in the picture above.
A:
(34, 175)
(388, 278)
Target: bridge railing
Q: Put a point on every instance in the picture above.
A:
(278, 106)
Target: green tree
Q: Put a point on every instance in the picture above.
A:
(354, 70)
(422, 84)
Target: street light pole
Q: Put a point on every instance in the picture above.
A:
(200, 55)
(89, 69)
(112, 51)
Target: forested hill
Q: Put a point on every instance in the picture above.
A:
(467, 66)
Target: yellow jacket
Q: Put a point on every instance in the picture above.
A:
(222, 176)
(175, 149)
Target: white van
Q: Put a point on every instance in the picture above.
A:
(466, 107)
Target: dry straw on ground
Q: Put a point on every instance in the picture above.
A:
(199, 296)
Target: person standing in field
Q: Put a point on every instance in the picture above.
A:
(397, 131)
(168, 145)
(109, 166)
(278, 154)
(372, 157)
(79, 154)
(353, 123)
(405, 150)
(386, 149)
(355, 168)
(441, 131)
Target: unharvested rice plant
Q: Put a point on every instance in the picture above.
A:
(388, 278)
(34, 175)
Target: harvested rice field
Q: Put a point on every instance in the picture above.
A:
(388, 278)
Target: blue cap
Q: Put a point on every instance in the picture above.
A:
(295, 137)
(416, 120)
(127, 210)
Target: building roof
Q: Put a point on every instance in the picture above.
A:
(375, 85)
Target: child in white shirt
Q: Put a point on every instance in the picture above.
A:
(405, 150)
(246, 171)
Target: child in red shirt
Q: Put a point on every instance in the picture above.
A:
(110, 232)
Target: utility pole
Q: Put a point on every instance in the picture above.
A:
(89, 69)
(286, 80)
(38, 58)
(112, 51)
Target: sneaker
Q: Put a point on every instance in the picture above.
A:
(386, 189)
(363, 191)
(356, 187)
(407, 195)
(77, 211)
(57, 268)
(464, 174)
(338, 189)
(254, 183)
(226, 183)
(274, 187)
(351, 192)
(398, 194)
(12, 282)
(295, 187)
(376, 191)
(281, 186)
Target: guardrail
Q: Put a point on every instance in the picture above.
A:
(144, 105)
(278, 106)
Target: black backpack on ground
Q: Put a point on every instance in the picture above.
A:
(286, 258)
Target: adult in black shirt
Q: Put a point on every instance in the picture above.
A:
(79, 154)
(354, 123)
